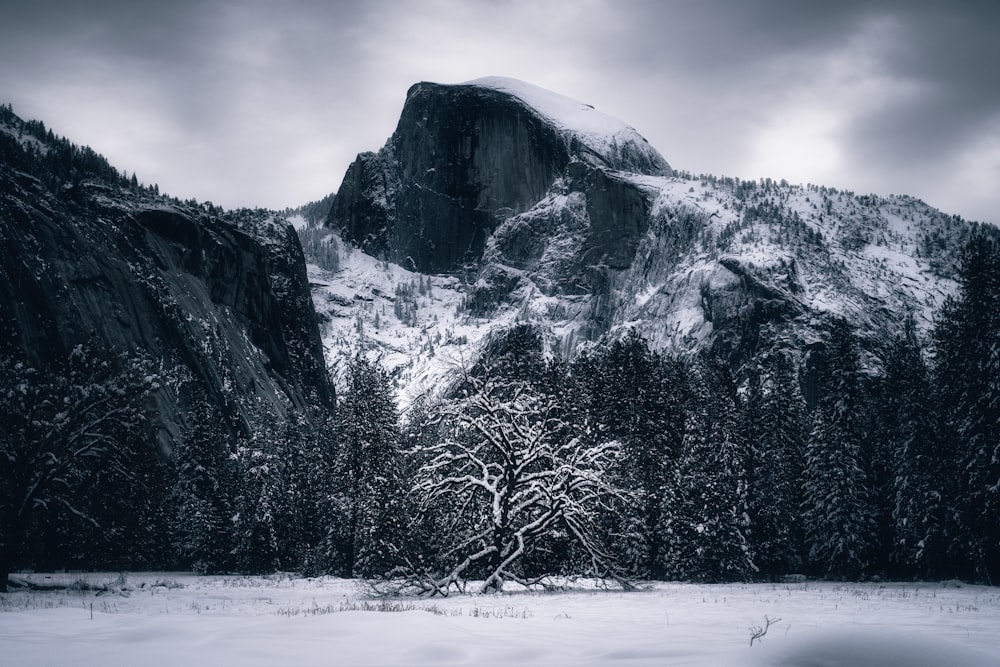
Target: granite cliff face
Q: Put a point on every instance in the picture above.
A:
(539, 210)
(222, 296)
(465, 158)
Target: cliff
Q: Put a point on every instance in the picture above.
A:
(465, 158)
(86, 256)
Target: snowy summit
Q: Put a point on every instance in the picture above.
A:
(616, 143)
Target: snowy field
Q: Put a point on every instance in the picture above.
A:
(155, 619)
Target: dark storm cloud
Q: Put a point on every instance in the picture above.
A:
(954, 58)
(223, 96)
(195, 52)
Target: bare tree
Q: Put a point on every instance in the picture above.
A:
(56, 425)
(510, 471)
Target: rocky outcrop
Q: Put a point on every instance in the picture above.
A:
(466, 158)
(225, 301)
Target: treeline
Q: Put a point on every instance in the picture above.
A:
(55, 160)
(624, 464)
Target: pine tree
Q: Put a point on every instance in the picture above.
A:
(776, 428)
(836, 510)
(62, 425)
(202, 492)
(636, 399)
(921, 484)
(709, 525)
(317, 469)
(366, 474)
(967, 372)
(258, 495)
(298, 527)
(516, 353)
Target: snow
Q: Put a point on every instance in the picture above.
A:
(870, 265)
(297, 221)
(176, 618)
(25, 140)
(564, 111)
(357, 307)
(603, 134)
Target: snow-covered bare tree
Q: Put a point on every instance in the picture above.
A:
(509, 474)
(60, 424)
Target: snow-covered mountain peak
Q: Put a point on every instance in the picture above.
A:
(523, 207)
(603, 139)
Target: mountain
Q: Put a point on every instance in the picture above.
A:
(88, 256)
(518, 205)
(494, 204)
(464, 158)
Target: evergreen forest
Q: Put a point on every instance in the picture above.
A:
(623, 464)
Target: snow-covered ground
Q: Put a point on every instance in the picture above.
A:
(184, 619)
(378, 309)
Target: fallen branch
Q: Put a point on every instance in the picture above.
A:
(758, 631)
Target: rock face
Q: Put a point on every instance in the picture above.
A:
(466, 158)
(104, 261)
(548, 213)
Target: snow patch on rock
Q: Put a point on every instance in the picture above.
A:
(616, 143)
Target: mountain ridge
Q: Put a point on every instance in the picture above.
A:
(91, 257)
(694, 264)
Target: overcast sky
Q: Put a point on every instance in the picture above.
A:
(257, 103)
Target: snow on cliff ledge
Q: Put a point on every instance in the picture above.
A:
(616, 144)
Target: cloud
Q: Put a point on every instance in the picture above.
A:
(260, 102)
(878, 96)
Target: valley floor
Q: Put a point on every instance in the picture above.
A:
(154, 619)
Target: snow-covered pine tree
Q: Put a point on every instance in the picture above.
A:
(317, 465)
(922, 490)
(300, 524)
(967, 371)
(636, 399)
(516, 354)
(419, 546)
(709, 524)
(367, 474)
(62, 425)
(260, 490)
(201, 498)
(776, 427)
(836, 509)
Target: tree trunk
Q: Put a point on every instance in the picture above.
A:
(13, 536)
(352, 536)
(5, 563)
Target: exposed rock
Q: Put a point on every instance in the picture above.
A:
(547, 212)
(465, 158)
(103, 262)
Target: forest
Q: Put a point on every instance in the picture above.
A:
(622, 464)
